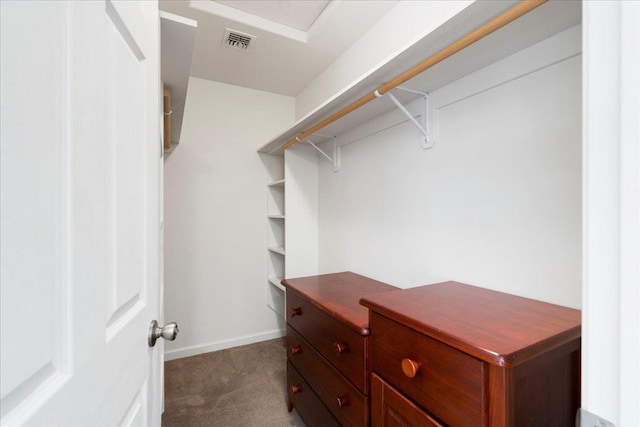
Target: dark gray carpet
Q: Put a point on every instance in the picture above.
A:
(241, 386)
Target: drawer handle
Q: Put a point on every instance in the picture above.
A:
(410, 367)
(295, 389)
(340, 348)
(342, 401)
(297, 311)
(296, 349)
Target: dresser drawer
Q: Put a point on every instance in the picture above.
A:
(344, 348)
(307, 403)
(390, 409)
(448, 383)
(346, 403)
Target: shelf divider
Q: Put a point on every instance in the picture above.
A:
(275, 281)
(279, 183)
(277, 249)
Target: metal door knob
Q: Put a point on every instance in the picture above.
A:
(168, 332)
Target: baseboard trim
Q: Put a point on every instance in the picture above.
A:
(221, 345)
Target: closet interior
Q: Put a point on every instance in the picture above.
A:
(483, 139)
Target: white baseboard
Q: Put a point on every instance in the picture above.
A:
(221, 345)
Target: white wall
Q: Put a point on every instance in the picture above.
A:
(215, 225)
(404, 25)
(496, 203)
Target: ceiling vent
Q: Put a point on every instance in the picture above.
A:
(238, 39)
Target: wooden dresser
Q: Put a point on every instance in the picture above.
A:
(459, 355)
(328, 364)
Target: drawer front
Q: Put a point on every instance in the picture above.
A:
(306, 402)
(342, 347)
(347, 404)
(390, 409)
(448, 383)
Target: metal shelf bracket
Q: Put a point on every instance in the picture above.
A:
(335, 161)
(425, 142)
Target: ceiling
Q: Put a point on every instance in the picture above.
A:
(296, 40)
(295, 14)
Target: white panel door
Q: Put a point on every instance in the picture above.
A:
(80, 156)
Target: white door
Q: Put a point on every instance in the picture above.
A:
(80, 156)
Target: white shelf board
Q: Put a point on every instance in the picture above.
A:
(277, 249)
(275, 281)
(279, 183)
(177, 35)
(537, 25)
(275, 216)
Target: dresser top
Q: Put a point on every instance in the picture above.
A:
(338, 294)
(498, 328)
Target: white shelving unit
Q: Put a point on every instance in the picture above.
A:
(292, 226)
(276, 255)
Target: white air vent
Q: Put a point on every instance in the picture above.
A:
(238, 39)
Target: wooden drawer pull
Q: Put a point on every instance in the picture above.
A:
(410, 367)
(340, 348)
(297, 311)
(296, 349)
(295, 389)
(342, 401)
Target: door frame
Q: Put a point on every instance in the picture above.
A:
(611, 212)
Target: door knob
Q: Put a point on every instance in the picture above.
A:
(168, 332)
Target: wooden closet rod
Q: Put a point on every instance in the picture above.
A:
(496, 23)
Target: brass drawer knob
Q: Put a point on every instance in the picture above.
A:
(340, 348)
(342, 401)
(297, 311)
(296, 349)
(295, 389)
(410, 367)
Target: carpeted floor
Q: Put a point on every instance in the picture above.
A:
(242, 386)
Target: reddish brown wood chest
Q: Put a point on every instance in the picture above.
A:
(459, 355)
(328, 366)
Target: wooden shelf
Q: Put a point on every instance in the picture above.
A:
(277, 249)
(537, 25)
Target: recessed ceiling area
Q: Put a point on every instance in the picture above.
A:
(282, 59)
(295, 14)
